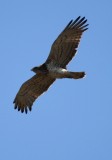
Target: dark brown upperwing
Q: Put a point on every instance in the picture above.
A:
(64, 47)
(31, 90)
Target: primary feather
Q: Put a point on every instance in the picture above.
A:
(62, 51)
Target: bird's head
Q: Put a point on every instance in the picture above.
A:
(40, 69)
(35, 69)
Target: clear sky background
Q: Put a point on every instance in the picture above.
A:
(73, 120)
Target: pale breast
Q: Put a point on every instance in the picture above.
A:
(56, 71)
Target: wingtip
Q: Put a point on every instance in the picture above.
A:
(30, 108)
(78, 17)
(23, 109)
(14, 101)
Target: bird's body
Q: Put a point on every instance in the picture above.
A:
(55, 71)
(55, 67)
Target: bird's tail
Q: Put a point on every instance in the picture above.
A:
(76, 75)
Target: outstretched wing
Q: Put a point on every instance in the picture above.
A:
(64, 47)
(31, 90)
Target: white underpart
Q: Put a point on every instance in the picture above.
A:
(55, 71)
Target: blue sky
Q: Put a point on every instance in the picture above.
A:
(73, 120)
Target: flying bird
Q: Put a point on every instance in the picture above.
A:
(55, 67)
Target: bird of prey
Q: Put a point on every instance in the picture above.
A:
(55, 67)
